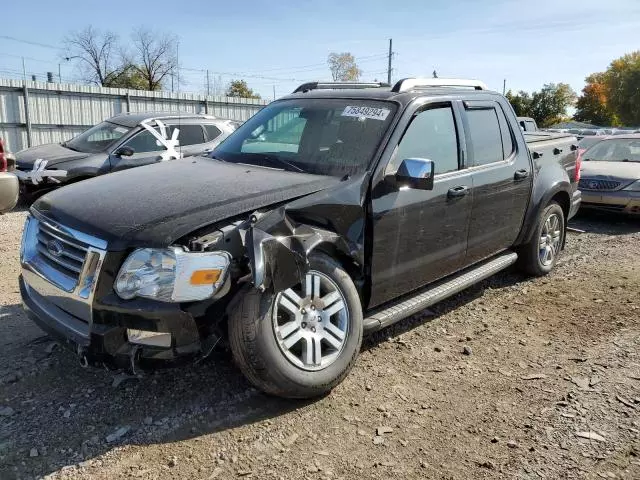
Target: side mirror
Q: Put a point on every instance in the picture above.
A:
(124, 152)
(416, 173)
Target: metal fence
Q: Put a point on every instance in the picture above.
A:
(33, 113)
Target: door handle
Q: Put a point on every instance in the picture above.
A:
(520, 175)
(459, 191)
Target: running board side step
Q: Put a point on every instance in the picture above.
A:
(433, 294)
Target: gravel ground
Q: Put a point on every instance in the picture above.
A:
(514, 378)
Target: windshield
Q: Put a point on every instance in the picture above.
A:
(97, 138)
(325, 137)
(615, 150)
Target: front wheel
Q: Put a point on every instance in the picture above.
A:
(303, 341)
(539, 256)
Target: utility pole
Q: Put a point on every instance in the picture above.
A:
(504, 86)
(390, 57)
(24, 70)
(59, 74)
(274, 91)
(208, 84)
(178, 67)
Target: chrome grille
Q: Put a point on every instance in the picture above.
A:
(61, 251)
(600, 185)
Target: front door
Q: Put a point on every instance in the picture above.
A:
(146, 150)
(420, 236)
(502, 177)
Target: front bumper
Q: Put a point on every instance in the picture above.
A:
(107, 344)
(82, 310)
(620, 201)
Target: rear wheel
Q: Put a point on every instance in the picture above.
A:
(540, 255)
(303, 341)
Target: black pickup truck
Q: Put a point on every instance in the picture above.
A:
(333, 212)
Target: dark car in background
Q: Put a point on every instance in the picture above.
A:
(611, 175)
(120, 142)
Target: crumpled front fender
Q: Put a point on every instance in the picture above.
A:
(281, 260)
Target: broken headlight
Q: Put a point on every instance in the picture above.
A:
(171, 274)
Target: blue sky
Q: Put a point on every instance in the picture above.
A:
(527, 42)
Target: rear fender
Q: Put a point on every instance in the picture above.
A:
(561, 187)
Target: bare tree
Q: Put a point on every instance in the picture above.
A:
(154, 56)
(343, 67)
(98, 53)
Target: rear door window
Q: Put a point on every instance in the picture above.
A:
(213, 132)
(484, 136)
(505, 133)
(189, 134)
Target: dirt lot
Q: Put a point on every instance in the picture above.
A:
(552, 361)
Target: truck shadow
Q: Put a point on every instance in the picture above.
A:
(501, 280)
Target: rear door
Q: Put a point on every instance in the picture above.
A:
(502, 179)
(421, 235)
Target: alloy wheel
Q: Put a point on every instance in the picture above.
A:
(311, 322)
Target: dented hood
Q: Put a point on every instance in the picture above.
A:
(153, 206)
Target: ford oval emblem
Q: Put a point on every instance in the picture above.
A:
(593, 185)
(55, 248)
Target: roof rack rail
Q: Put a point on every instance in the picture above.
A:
(306, 87)
(407, 84)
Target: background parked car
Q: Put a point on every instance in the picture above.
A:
(527, 124)
(611, 175)
(121, 142)
(8, 191)
(587, 142)
(7, 159)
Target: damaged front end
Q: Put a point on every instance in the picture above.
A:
(279, 243)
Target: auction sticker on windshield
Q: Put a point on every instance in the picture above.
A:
(366, 112)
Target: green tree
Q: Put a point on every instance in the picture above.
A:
(549, 105)
(343, 67)
(130, 78)
(521, 103)
(593, 105)
(622, 80)
(239, 88)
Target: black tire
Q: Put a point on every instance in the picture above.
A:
(256, 351)
(530, 260)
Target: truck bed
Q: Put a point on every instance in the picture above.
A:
(548, 145)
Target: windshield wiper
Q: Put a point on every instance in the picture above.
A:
(276, 159)
(66, 145)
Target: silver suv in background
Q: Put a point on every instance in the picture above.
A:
(120, 142)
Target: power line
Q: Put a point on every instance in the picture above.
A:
(38, 44)
(365, 58)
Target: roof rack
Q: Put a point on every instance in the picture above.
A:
(407, 84)
(306, 87)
